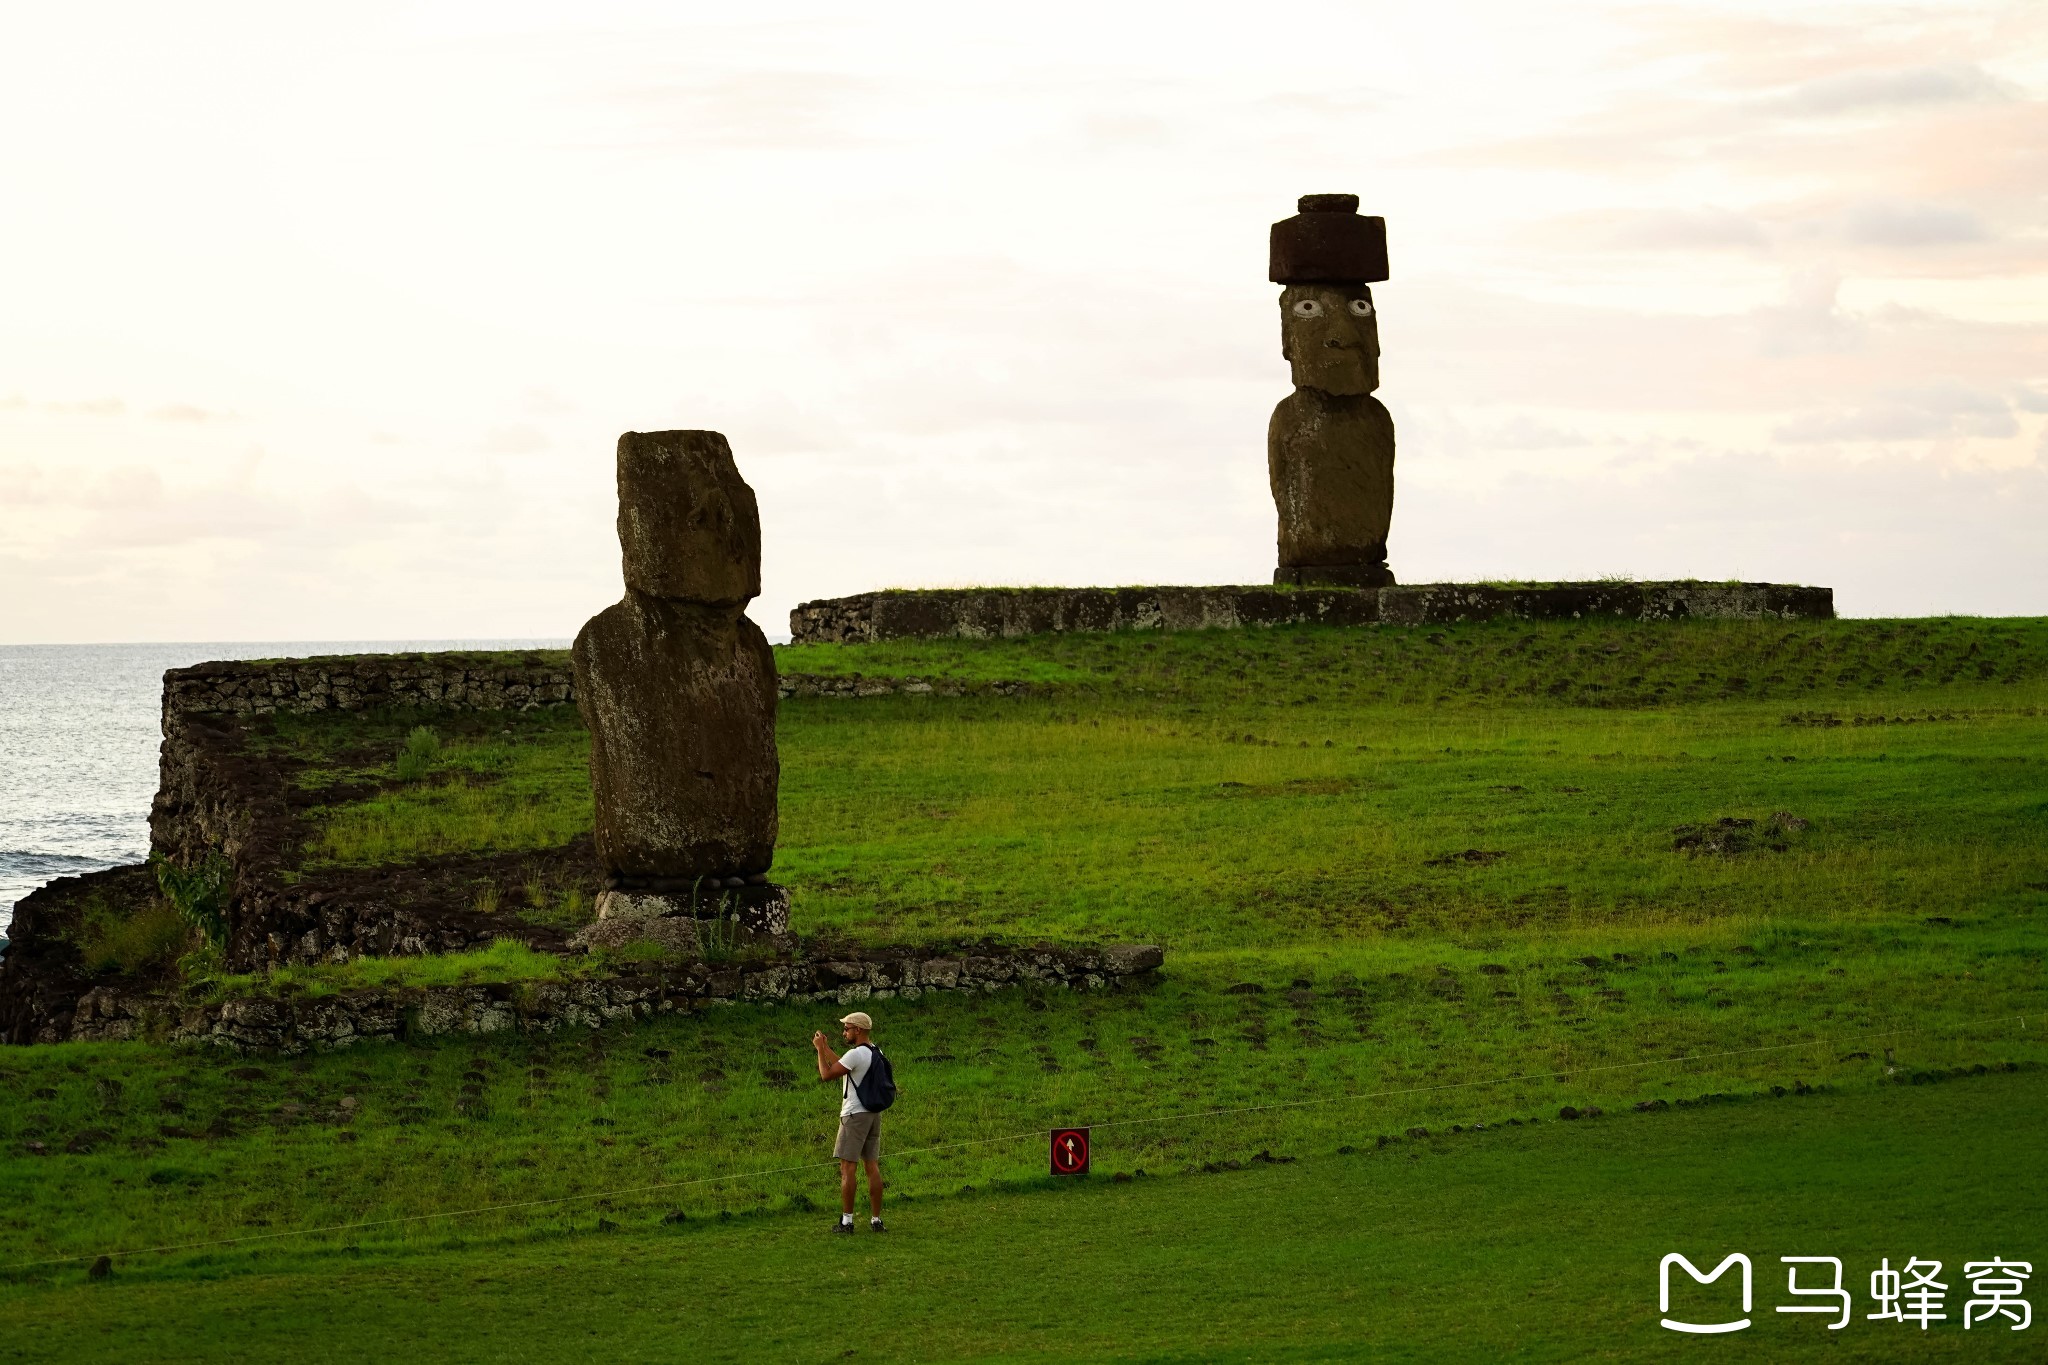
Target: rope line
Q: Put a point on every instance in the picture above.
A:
(1556, 1072)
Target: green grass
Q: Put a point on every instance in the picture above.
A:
(1604, 664)
(506, 960)
(1536, 1243)
(1443, 858)
(131, 944)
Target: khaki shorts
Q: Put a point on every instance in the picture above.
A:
(860, 1137)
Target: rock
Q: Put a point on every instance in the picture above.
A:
(680, 703)
(1568, 1112)
(1129, 959)
(1330, 462)
(100, 1269)
(1327, 239)
(676, 686)
(689, 529)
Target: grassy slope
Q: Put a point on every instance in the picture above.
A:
(1298, 859)
(1536, 1243)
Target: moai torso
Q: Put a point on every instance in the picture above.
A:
(1330, 444)
(676, 685)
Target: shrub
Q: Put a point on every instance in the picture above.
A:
(199, 894)
(422, 752)
(147, 938)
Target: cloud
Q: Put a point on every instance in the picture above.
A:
(1940, 411)
(748, 110)
(521, 439)
(1896, 224)
(1522, 432)
(185, 412)
(1895, 88)
(91, 407)
(1702, 229)
(2030, 398)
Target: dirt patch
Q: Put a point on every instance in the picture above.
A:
(1732, 836)
(1471, 857)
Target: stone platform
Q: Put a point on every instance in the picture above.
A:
(761, 909)
(1003, 613)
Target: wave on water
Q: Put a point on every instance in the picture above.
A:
(48, 865)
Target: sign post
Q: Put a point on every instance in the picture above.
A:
(1070, 1151)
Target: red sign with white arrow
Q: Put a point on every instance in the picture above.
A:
(1070, 1151)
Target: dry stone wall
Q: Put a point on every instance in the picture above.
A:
(1005, 613)
(460, 682)
(293, 1025)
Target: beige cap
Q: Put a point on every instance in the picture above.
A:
(859, 1020)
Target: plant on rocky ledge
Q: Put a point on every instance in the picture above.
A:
(198, 893)
(129, 943)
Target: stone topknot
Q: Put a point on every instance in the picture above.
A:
(1328, 242)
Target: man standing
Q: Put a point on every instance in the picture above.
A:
(860, 1130)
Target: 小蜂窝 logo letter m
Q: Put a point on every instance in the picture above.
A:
(1664, 1292)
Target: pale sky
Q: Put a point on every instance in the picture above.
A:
(322, 322)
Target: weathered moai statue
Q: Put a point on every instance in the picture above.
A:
(1330, 445)
(677, 688)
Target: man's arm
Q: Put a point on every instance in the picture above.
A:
(830, 1068)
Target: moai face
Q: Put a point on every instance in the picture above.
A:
(1331, 336)
(688, 524)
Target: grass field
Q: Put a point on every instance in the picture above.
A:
(1391, 868)
(1527, 1243)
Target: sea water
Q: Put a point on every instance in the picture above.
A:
(79, 728)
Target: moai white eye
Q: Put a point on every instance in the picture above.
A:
(1361, 308)
(1308, 308)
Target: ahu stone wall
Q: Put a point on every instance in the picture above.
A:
(459, 682)
(358, 682)
(1005, 613)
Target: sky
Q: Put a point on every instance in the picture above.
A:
(323, 322)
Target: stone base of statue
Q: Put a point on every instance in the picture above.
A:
(762, 907)
(699, 922)
(1334, 576)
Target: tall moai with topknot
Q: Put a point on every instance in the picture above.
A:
(677, 688)
(1330, 444)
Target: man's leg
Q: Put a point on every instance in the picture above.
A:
(848, 1171)
(874, 1187)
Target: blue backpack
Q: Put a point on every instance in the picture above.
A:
(876, 1089)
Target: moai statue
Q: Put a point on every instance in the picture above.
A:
(1330, 445)
(677, 688)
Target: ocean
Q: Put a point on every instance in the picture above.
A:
(79, 727)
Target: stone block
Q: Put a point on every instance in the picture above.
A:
(688, 525)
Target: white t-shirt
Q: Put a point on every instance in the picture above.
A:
(856, 1063)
